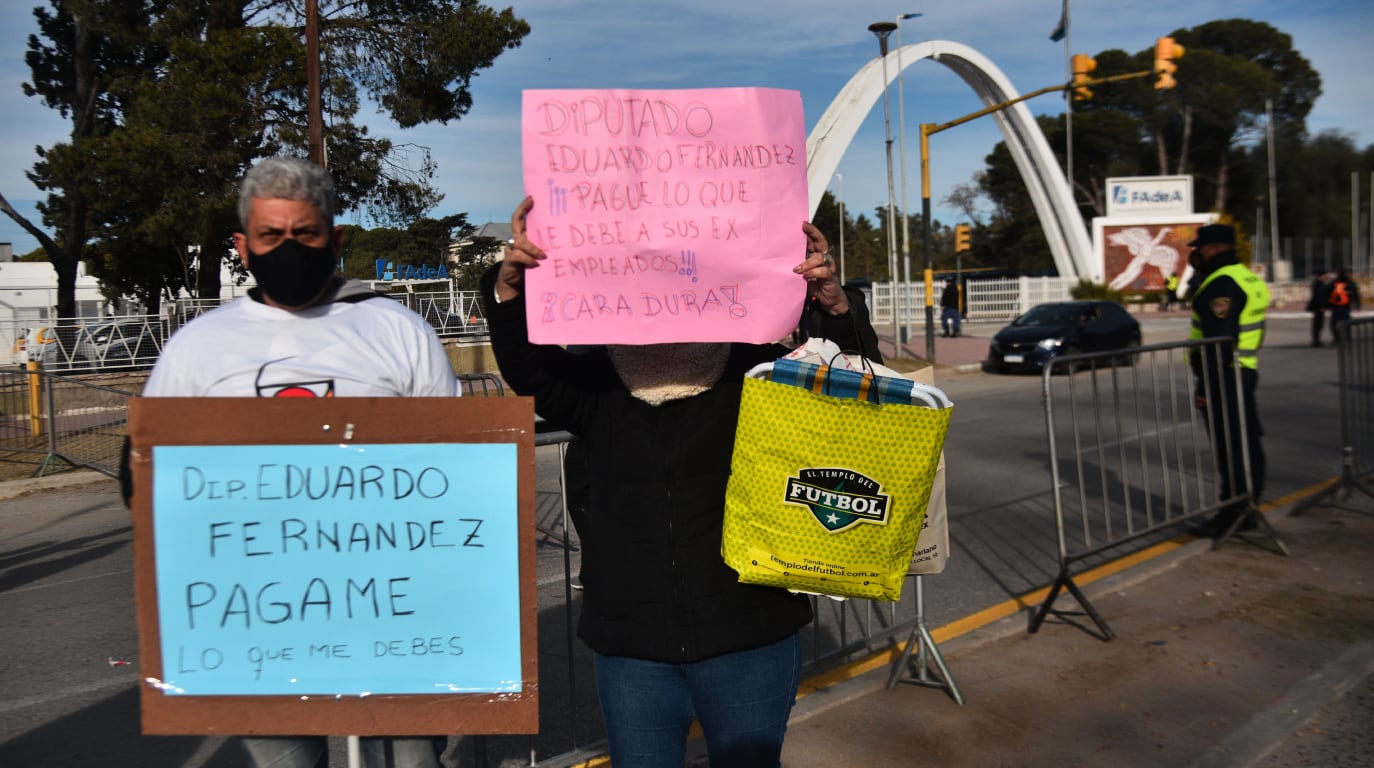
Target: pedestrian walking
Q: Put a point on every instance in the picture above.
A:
(1343, 298)
(949, 308)
(1170, 291)
(1316, 304)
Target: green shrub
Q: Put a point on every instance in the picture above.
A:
(1087, 289)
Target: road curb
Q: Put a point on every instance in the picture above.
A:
(12, 488)
(1267, 731)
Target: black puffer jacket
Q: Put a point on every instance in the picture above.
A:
(655, 584)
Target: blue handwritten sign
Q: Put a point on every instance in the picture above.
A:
(337, 569)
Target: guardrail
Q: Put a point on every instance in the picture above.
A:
(1130, 456)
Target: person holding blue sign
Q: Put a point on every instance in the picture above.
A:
(304, 331)
(676, 636)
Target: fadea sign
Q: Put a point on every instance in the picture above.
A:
(1149, 196)
(389, 270)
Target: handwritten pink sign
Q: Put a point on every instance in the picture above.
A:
(667, 215)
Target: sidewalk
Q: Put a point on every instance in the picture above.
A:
(1224, 657)
(961, 353)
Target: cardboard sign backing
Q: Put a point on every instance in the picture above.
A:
(260, 519)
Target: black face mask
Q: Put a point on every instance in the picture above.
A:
(292, 274)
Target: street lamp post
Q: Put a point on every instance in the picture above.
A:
(1273, 193)
(839, 179)
(882, 29)
(906, 232)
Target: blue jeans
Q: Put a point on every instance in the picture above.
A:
(947, 316)
(313, 751)
(742, 701)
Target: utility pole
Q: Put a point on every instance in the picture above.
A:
(312, 74)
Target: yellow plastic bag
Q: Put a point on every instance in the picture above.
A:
(827, 494)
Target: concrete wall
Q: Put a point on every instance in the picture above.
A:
(471, 358)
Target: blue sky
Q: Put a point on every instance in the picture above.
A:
(812, 46)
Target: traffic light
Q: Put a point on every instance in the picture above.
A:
(1082, 65)
(1166, 51)
(960, 238)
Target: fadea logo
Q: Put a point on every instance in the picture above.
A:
(388, 270)
(839, 498)
(1123, 196)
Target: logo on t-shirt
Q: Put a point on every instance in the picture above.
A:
(839, 498)
(315, 388)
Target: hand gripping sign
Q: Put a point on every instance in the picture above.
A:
(667, 215)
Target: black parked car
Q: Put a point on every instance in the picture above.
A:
(1061, 328)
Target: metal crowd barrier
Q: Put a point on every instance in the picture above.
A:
(1355, 360)
(63, 419)
(1130, 457)
(483, 384)
(82, 423)
(450, 313)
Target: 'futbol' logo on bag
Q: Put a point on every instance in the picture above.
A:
(839, 498)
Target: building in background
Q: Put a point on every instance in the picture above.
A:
(28, 295)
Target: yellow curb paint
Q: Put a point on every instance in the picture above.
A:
(1299, 495)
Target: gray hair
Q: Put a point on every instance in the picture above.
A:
(287, 178)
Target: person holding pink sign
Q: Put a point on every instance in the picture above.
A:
(676, 637)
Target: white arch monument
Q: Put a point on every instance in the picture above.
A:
(1049, 191)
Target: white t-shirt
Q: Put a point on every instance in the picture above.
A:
(370, 348)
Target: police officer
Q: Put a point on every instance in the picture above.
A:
(1230, 302)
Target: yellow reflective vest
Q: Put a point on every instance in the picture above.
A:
(1251, 317)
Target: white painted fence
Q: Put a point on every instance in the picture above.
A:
(984, 299)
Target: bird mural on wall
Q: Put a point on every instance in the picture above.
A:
(1145, 251)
